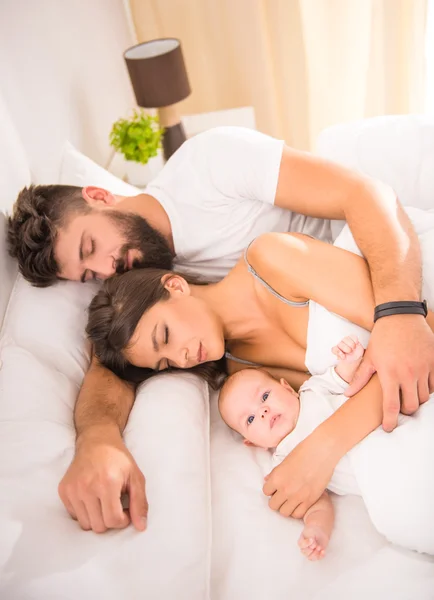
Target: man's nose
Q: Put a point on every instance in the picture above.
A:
(104, 267)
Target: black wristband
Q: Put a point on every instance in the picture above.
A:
(404, 307)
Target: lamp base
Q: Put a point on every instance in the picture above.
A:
(173, 137)
(174, 134)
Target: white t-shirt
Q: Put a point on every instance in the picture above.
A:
(218, 191)
(320, 397)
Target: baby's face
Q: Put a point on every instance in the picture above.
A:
(260, 408)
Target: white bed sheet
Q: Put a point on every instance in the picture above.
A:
(255, 552)
(44, 554)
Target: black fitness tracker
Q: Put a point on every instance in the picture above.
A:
(405, 307)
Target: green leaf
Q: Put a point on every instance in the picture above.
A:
(137, 138)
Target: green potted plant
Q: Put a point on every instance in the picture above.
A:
(138, 139)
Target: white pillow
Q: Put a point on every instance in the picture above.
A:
(44, 356)
(49, 323)
(396, 149)
(78, 169)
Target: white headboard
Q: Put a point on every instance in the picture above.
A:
(63, 76)
(14, 174)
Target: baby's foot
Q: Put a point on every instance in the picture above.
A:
(313, 542)
(349, 349)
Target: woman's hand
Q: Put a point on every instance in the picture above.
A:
(297, 483)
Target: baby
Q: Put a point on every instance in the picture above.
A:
(270, 414)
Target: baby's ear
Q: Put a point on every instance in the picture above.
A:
(285, 384)
(248, 443)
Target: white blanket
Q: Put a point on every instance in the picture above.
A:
(395, 472)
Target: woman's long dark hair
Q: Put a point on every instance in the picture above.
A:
(113, 317)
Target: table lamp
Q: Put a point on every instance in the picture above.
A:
(159, 79)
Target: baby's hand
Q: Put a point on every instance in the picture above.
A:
(313, 542)
(349, 349)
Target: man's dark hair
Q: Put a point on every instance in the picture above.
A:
(37, 214)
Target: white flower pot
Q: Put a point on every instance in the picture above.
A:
(140, 175)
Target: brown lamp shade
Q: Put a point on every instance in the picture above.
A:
(157, 73)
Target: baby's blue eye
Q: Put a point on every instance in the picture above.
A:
(265, 396)
(250, 420)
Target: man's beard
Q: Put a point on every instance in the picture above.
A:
(151, 244)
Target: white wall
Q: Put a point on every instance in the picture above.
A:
(62, 75)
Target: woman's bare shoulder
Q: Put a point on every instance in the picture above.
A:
(274, 256)
(273, 249)
(272, 240)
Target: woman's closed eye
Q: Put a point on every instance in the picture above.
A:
(165, 364)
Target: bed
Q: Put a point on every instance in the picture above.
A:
(210, 534)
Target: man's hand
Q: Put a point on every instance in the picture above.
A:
(297, 483)
(401, 351)
(101, 471)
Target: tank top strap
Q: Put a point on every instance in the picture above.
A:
(268, 287)
(242, 361)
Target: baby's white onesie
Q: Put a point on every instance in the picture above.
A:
(320, 397)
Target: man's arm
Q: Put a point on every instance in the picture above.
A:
(103, 469)
(316, 187)
(401, 348)
(104, 401)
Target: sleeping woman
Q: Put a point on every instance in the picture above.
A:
(285, 304)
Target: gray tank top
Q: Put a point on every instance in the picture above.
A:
(272, 291)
